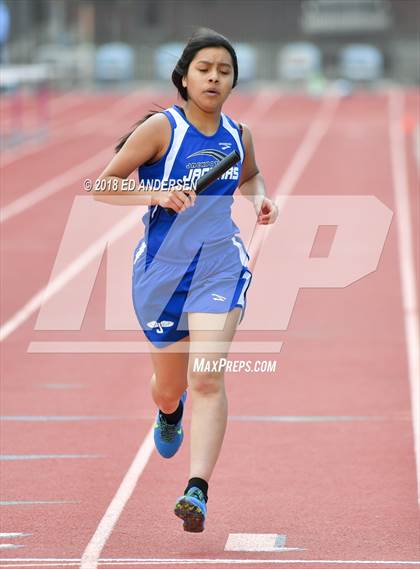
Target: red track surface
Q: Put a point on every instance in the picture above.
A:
(343, 490)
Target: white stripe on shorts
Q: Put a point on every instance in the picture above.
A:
(242, 252)
(247, 278)
(139, 252)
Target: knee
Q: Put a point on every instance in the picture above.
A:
(206, 383)
(163, 392)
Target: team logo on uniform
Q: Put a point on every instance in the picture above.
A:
(200, 167)
(209, 152)
(160, 325)
(218, 297)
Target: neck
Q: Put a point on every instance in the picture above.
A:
(205, 122)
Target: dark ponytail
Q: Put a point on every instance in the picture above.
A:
(123, 139)
(201, 38)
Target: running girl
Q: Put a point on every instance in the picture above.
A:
(190, 273)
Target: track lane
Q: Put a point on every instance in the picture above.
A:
(324, 363)
(341, 489)
(25, 396)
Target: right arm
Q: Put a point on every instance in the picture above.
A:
(148, 142)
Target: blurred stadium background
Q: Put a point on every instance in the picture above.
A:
(50, 46)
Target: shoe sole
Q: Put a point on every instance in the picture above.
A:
(192, 516)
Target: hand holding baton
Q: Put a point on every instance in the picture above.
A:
(212, 175)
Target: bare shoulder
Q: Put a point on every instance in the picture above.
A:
(147, 143)
(244, 130)
(157, 126)
(155, 132)
(249, 166)
(246, 134)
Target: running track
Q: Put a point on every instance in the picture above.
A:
(321, 452)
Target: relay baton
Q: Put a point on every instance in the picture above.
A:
(212, 175)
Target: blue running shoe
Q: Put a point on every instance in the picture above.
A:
(192, 509)
(168, 438)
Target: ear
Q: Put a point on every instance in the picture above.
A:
(184, 82)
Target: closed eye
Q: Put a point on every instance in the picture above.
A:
(223, 72)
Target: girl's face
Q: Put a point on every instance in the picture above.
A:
(209, 78)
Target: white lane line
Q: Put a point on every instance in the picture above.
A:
(406, 261)
(118, 347)
(35, 502)
(306, 418)
(306, 150)
(239, 418)
(69, 273)
(30, 418)
(13, 534)
(268, 542)
(50, 562)
(4, 457)
(54, 185)
(94, 548)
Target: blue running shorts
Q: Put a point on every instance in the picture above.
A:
(165, 290)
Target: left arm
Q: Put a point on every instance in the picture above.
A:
(252, 186)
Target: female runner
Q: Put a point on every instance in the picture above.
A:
(190, 273)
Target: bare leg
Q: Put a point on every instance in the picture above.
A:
(207, 390)
(169, 380)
